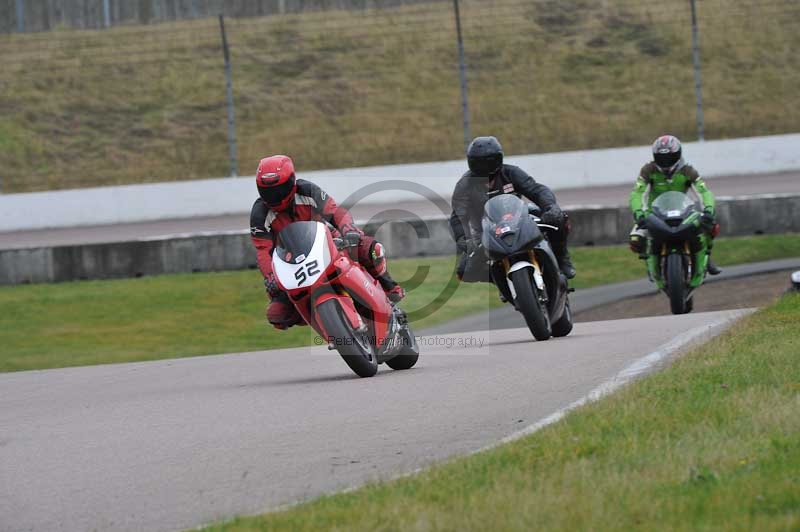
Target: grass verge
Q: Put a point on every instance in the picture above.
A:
(96, 322)
(710, 443)
(368, 87)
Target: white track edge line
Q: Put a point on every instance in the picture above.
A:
(631, 372)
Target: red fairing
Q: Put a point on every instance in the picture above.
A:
(348, 282)
(365, 289)
(347, 306)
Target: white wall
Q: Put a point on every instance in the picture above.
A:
(212, 197)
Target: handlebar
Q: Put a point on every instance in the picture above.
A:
(348, 241)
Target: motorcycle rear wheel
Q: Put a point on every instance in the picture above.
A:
(354, 347)
(676, 283)
(563, 326)
(533, 310)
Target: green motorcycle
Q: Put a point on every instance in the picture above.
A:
(677, 248)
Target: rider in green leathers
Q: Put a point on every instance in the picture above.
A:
(668, 171)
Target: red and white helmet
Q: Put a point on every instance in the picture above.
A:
(667, 153)
(276, 181)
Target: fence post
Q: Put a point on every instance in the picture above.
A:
(20, 16)
(462, 70)
(698, 86)
(106, 14)
(281, 6)
(229, 97)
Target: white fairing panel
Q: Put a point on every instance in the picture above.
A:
(297, 275)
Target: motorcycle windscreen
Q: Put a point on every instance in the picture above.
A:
(507, 226)
(673, 204)
(505, 208)
(295, 241)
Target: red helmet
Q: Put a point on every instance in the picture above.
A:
(276, 181)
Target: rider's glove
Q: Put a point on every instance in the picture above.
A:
(640, 219)
(350, 228)
(553, 216)
(465, 245)
(707, 218)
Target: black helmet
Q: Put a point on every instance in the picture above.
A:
(667, 153)
(485, 156)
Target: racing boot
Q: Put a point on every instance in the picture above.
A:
(712, 268)
(564, 260)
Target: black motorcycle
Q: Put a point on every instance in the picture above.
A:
(523, 265)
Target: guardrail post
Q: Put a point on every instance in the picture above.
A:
(698, 87)
(20, 16)
(106, 14)
(229, 96)
(462, 71)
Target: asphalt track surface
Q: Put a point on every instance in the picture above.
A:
(173, 444)
(645, 299)
(782, 183)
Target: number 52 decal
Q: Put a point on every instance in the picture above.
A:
(305, 271)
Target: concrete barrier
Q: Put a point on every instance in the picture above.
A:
(592, 226)
(217, 197)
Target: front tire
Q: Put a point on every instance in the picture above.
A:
(354, 347)
(676, 283)
(533, 310)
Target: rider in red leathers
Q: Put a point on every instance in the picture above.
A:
(284, 199)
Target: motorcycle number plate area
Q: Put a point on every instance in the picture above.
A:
(305, 273)
(671, 214)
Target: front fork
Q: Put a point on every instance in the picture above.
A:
(538, 278)
(699, 262)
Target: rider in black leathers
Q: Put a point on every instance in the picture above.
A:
(488, 177)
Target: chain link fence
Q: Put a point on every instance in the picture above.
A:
(23, 16)
(381, 86)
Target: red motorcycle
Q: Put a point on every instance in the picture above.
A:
(341, 301)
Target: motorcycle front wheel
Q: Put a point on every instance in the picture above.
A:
(676, 283)
(354, 347)
(530, 305)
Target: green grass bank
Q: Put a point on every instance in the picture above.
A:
(370, 87)
(97, 322)
(710, 443)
